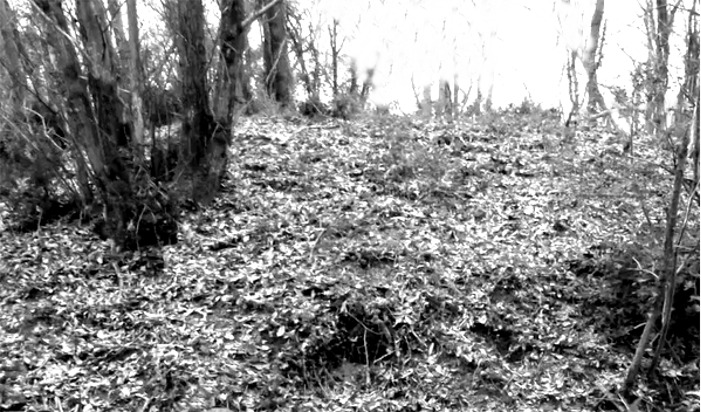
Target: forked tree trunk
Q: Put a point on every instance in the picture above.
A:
(596, 101)
(111, 176)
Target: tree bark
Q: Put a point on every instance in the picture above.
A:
(685, 123)
(117, 26)
(596, 101)
(137, 82)
(659, 29)
(203, 142)
(111, 176)
(298, 43)
(233, 89)
(278, 79)
(8, 39)
(335, 51)
(684, 128)
(102, 71)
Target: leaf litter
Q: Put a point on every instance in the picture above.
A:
(366, 265)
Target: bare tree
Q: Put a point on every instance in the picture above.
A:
(591, 60)
(278, 75)
(658, 21)
(233, 90)
(685, 128)
(203, 142)
(305, 48)
(103, 66)
(110, 174)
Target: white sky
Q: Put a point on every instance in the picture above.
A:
(519, 46)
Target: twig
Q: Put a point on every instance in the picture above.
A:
(367, 357)
(316, 243)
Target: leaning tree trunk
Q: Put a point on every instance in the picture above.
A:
(278, 74)
(117, 28)
(684, 129)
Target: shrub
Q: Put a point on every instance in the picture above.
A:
(33, 177)
(345, 106)
(313, 106)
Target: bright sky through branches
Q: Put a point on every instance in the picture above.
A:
(517, 47)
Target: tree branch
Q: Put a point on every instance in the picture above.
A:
(250, 19)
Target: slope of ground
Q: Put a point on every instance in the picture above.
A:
(380, 265)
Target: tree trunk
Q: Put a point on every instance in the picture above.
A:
(683, 129)
(137, 82)
(8, 38)
(203, 143)
(684, 126)
(117, 26)
(102, 71)
(573, 89)
(233, 90)
(278, 79)
(353, 72)
(456, 93)
(443, 98)
(426, 104)
(658, 26)
(591, 65)
(298, 42)
(367, 85)
(335, 51)
(111, 176)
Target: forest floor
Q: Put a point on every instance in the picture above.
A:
(375, 265)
